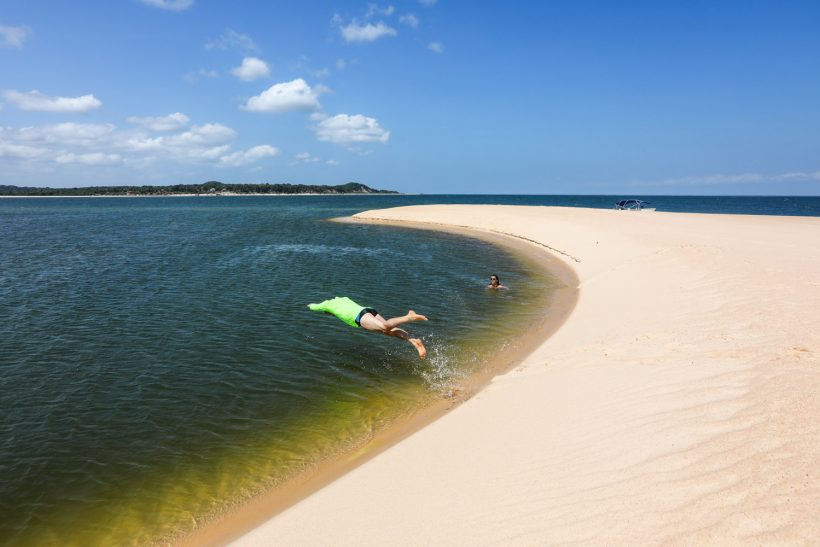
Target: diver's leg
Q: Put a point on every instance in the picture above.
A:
(396, 321)
(376, 323)
(416, 343)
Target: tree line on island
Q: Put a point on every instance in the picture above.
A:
(209, 188)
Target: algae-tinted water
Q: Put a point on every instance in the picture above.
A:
(158, 364)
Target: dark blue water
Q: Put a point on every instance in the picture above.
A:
(158, 362)
(734, 205)
(738, 205)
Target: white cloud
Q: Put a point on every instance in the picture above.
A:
(206, 152)
(347, 129)
(341, 64)
(208, 133)
(354, 32)
(410, 20)
(23, 151)
(741, 178)
(251, 69)
(305, 157)
(41, 148)
(171, 5)
(194, 76)
(171, 122)
(208, 141)
(13, 36)
(435, 47)
(230, 39)
(68, 133)
(375, 9)
(250, 156)
(321, 89)
(798, 176)
(93, 158)
(286, 97)
(34, 100)
(143, 144)
(200, 142)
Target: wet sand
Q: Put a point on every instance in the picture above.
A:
(677, 404)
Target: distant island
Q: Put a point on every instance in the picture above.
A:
(209, 188)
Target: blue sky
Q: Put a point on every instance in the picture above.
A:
(426, 96)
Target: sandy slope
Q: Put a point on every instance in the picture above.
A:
(680, 403)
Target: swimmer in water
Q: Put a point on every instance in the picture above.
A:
(357, 316)
(495, 283)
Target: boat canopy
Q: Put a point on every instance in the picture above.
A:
(631, 204)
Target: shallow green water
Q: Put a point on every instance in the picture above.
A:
(158, 364)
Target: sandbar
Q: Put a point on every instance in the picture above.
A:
(679, 402)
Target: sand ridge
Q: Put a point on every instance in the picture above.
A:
(678, 404)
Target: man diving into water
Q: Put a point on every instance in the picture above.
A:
(356, 316)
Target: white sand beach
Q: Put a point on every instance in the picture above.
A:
(679, 403)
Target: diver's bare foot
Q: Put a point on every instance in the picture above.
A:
(413, 316)
(419, 347)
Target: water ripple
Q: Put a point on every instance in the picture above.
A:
(157, 361)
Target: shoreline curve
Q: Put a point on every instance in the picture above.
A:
(677, 405)
(249, 515)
